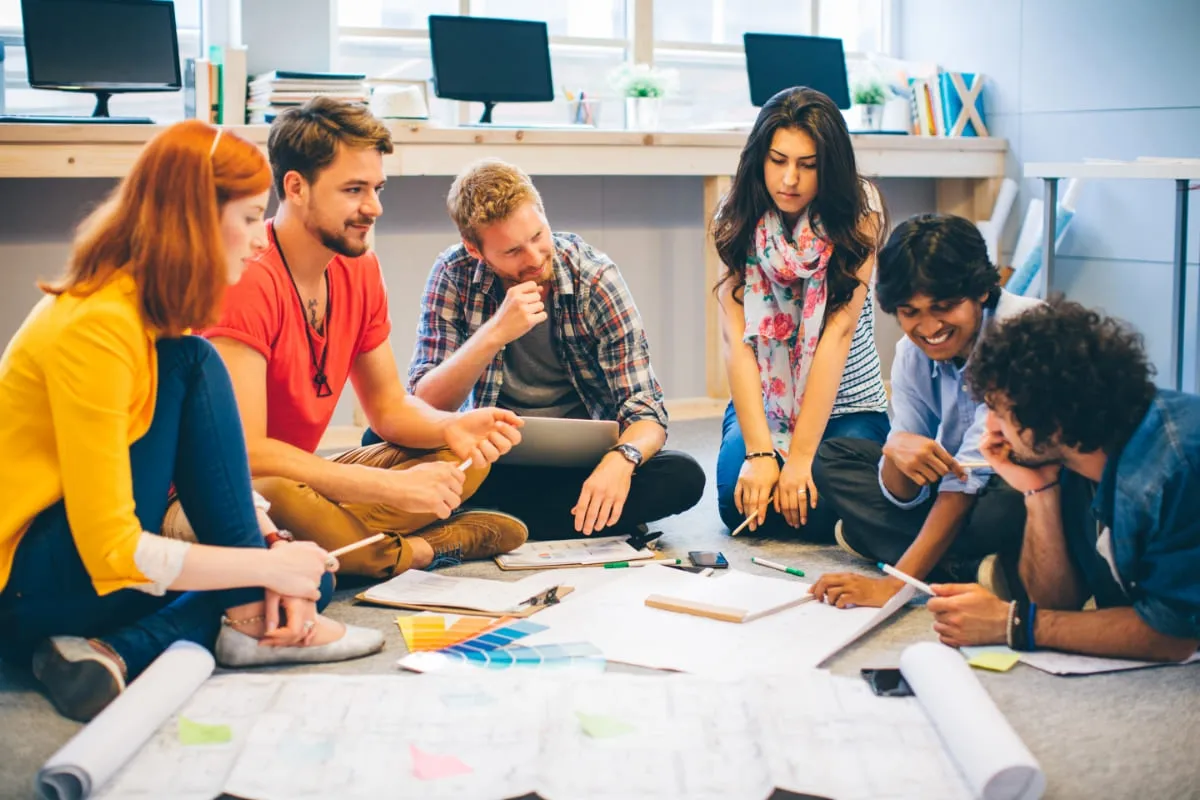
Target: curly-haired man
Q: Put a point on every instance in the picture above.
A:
(1067, 387)
(924, 501)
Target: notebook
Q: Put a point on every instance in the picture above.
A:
(736, 597)
(427, 591)
(585, 552)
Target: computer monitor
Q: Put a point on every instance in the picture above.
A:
(101, 46)
(490, 61)
(775, 62)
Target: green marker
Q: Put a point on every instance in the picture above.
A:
(667, 562)
(781, 567)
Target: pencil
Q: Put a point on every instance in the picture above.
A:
(350, 548)
(749, 517)
(904, 576)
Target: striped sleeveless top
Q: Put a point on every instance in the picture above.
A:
(862, 379)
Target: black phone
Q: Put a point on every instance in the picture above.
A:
(887, 682)
(708, 558)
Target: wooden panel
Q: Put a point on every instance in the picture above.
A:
(716, 380)
(971, 198)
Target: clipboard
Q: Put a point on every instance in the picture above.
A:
(535, 604)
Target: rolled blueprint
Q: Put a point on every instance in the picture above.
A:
(994, 761)
(92, 756)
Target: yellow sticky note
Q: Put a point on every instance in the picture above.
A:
(192, 733)
(995, 661)
(602, 726)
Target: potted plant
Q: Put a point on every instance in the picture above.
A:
(869, 96)
(643, 88)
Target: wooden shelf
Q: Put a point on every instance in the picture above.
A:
(84, 151)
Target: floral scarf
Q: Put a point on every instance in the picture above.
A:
(785, 305)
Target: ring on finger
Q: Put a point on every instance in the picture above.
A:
(309, 625)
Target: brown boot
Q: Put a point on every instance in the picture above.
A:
(473, 534)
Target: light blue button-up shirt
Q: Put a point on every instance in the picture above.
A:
(930, 398)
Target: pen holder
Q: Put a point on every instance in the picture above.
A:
(584, 112)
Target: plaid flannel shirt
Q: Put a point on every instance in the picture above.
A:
(599, 335)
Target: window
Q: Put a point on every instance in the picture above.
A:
(701, 39)
(21, 99)
(389, 39)
(724, 21)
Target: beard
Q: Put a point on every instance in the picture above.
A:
(1034, 459)
(340, 243)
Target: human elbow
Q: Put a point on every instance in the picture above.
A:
(1172, 648)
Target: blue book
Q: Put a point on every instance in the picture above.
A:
(959, 91)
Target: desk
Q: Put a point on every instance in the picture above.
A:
(1179, 171)
(967, 170)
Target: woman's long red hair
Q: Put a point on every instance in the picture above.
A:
(162, 225)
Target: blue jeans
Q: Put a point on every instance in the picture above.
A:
(195, 441)
(872, 425)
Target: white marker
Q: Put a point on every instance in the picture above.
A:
(904, 576)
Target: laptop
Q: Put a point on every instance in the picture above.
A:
(553, 442)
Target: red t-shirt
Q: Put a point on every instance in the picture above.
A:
(263, 312)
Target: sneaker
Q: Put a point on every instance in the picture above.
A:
(840, 537)
(80, 679)
(236, 649)
(472, 534)
(990, 575)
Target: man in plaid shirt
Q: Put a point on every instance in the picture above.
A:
(519, 317)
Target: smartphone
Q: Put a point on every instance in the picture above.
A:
(707, 558)
(887, 682)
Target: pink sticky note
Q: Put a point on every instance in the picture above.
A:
(431, 766)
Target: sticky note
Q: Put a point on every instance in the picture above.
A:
(601, 726)
(194, 733)
(434, 766)
(997, 659)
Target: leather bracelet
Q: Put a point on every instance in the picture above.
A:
(762, 454)
(1039, 490)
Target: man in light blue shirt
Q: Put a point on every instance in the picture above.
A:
(926, 501)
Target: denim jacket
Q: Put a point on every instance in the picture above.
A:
(1149, 499)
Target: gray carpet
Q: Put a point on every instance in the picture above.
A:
(1121, 735)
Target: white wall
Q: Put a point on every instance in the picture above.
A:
(1073, 79)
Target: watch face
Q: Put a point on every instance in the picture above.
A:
(631, 453)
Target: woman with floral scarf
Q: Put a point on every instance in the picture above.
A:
(797, 234)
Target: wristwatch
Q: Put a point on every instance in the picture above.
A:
(630, 453)
(278, 536)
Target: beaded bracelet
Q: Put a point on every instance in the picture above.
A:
(1039, 490)
(234, 623)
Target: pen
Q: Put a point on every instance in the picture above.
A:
(666, 562)
(909, 579)
(781, 567)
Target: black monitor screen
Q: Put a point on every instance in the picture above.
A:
(775, 62)
(101, 44)
(490, 60)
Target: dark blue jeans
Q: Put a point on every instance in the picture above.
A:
(195, 441)
(872, 425)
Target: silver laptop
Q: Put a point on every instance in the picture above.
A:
(552, 442)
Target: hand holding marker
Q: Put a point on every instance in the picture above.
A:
(379, 537)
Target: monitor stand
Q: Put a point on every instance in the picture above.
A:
(488, 105)
(99, 116)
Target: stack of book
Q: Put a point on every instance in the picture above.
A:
(948, 104)
(279, 89)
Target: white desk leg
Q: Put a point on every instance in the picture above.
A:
(1049, 224)
(1179, 283)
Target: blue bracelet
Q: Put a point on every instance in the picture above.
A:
(1032, 645)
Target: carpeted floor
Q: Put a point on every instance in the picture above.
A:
(1122, 735)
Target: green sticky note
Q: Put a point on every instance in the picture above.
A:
(997, 658)
(192, 733)
(600, 726)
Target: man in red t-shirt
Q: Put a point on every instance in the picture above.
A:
(310, 312)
